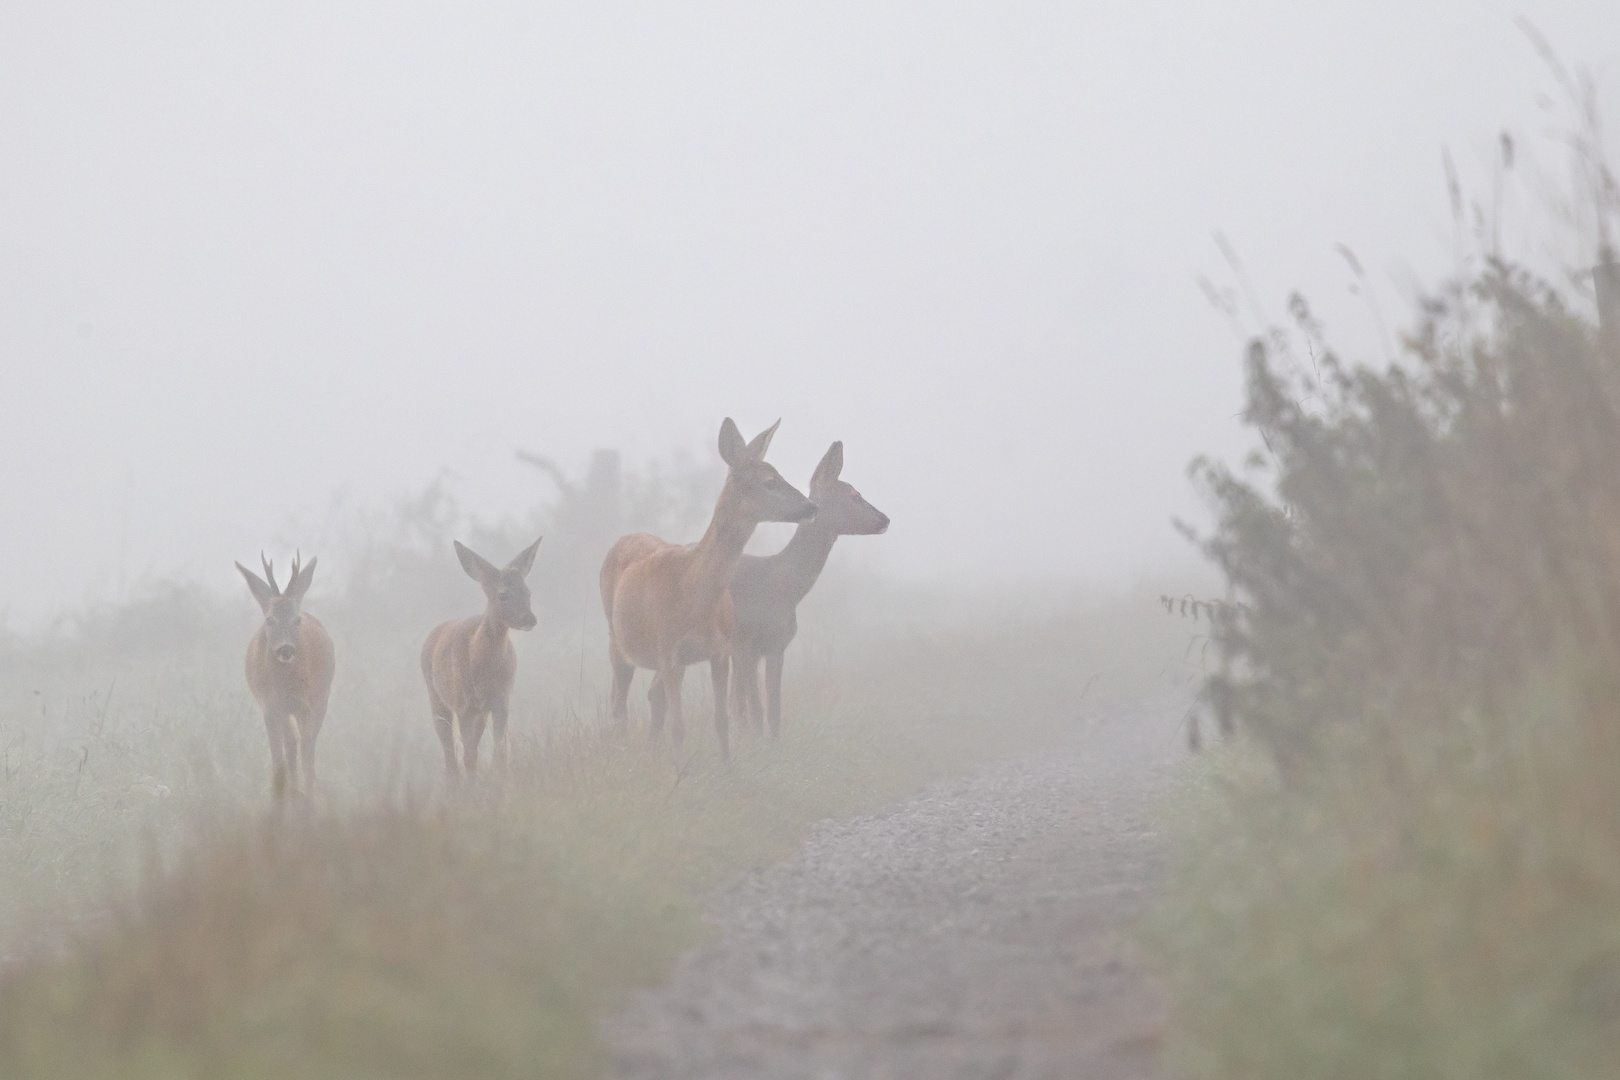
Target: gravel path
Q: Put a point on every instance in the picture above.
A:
(978, 931)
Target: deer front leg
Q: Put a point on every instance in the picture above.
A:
(309, 728)
(275, 726)
(472, 731)
(745, 676)
(736, 699)
(773, 691)
(719, 672)
(498, 735)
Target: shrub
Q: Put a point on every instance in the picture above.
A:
(1409, 863)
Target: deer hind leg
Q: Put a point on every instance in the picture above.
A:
(671, 678)
(472, 732)
(773, 691)
(655, 702)
(719, 676)
(623, 672)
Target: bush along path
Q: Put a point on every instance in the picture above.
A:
(982, 929)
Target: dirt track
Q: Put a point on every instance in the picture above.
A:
(977, 931)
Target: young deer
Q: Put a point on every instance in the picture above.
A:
(765, 590)
(667, 605)
(469, 664)
(290, 663)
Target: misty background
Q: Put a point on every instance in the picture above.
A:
(267, 274)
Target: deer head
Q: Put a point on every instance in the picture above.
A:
(505, 589)
(282, 617)
(839, 507)
(759, 490)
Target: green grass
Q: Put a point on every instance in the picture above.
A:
(390, 930)
(1427, 912)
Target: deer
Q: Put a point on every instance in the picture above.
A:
(766, 589)
(669, 605)
(290, 664)
(469, 664)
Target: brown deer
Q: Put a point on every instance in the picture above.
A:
(668, 606)
(766, 589)
(469, 664)
(290, 663)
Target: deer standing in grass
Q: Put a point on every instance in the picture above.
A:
(469, 664)
(766, 589)
(668, 605)
(290, 663)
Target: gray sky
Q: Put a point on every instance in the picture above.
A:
(254, 255)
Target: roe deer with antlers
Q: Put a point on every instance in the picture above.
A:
(290, 663)
(668, 605)
(766, 589)
(469, 664)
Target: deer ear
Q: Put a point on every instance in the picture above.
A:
(478, 568)
(732, 447)
(262, 592)
(523, 561)
(299, 585)
(762, 442)
(832, 463)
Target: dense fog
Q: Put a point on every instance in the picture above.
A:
(264, 275)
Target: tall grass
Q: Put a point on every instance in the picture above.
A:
(395, 929)
(1408, 863)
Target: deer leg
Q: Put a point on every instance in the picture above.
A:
(739, 688)
(294, 756)
(734, 695)
(445, 725)
(719, 672)
(309, 729)
(498, 736)
(672, 678)
(472, 730)
(655, 702)
(623, 672)
(773, 691)
(750, 688)
(275, 725)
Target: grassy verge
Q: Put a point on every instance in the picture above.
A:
(391, 931)
(1433, 910)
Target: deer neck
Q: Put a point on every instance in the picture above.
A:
(797, 566)
(492, 628)
(715, 557)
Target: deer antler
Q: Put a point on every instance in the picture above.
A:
(298, 558)
(270, 573)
